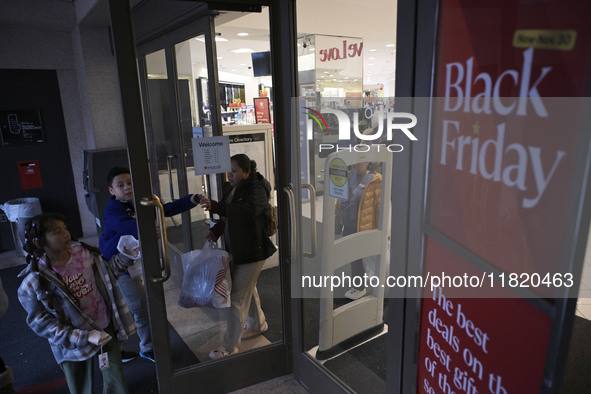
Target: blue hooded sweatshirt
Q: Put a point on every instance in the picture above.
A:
(119, 219)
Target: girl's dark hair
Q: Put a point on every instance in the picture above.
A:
(245, 163)
(35, 230)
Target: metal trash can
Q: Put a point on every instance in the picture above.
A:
(18, 212)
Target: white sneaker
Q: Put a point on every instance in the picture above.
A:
(354, 294)
(221, 352)
(249, 332)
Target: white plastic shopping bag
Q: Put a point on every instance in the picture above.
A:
(206, 277)
(129, 242)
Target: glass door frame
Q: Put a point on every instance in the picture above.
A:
(306, 369)
(253, 366)
(167, 42)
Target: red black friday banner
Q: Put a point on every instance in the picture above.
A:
(505, 131)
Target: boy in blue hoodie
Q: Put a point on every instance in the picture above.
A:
(118, 220)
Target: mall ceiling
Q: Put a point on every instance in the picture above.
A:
(372, 20)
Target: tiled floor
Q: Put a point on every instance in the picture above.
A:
(283, 384)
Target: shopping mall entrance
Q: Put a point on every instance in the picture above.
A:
(204, 71)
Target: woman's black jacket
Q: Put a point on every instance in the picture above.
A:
(247, 215)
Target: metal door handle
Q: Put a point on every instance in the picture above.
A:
(293, 233)
(312, 217)
(155, 202)
(169, 165)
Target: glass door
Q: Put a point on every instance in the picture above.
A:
(172, 120)
(178, 74)
(341, 193)
(343, 231)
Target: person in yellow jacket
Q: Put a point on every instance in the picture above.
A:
(369, 215)
(369, 206)
(360, 212)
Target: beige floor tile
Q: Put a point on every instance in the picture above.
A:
(584, 301)
(203, 342)
(586, 282)
(585, 310)
(188, 321)
(283, 384)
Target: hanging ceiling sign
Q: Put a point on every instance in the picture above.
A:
(342, 54)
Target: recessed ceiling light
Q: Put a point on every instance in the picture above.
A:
(389, 45)
(218, 39)
(242, 64)
(373, 50)
(242, 50)
(242, 34)
(219, 57)
(372, 58)
(326, 72)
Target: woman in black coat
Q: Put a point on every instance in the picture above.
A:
(245, 214)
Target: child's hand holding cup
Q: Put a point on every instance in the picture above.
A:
(129, 246)
(98, 338)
